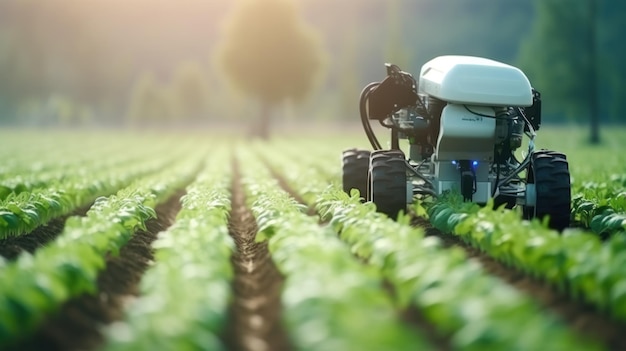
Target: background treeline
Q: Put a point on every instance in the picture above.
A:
(142, 62)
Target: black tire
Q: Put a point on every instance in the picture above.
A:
(355, 167)
(387, 182)
(507, 200)
(549, 172)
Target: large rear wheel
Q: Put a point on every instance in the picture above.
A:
(355, 168)
(548, 189)
(388, 182)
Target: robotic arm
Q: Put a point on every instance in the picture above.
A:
(380, 100)
(398, 90)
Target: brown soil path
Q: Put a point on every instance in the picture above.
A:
(581, 317)
(255, 314)
(77, 325)
(410, 315)
(11, 248)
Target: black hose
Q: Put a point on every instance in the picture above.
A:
(497, 184)
(364, 117)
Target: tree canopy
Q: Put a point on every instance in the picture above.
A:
(574, 56)
(556, 56)
(269, 52)
(93, 53)
(150, 103)
(191, 92)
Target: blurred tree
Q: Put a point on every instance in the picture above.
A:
(268, 52)
(191, 91)
(30, 112)
(611, 53)
(56, 111)
(150, 104)
(62, 111)
(487, 28)
(554, 59)
(348, 76)
(92, 52)
(397, 51)
(575, 56)
(592, 71)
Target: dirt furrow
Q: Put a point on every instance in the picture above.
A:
(285, 186)
(255, 314)
(410, 315)
(77, 325)
(11, 248)
(579, 316)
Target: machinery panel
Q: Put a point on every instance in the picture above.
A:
(466, 135)
(482, 195)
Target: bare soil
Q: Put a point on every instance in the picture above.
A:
(11, 248)
(411, 315)
(285, 186)
(255, 322)
(77, 325)
(255, 313)
(580, 316)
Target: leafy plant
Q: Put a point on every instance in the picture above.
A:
(332, 301)
(455, 295)
(194, 287)
(22, 212)
(36, 285)
(461, 300)
(575, 262)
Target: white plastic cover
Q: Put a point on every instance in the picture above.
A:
(476, 81)
(465, 134)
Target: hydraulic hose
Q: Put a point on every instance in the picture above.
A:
(364, 116)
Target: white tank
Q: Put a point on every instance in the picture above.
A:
(475, 81)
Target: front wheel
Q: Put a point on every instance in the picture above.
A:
(355, 168)
(388, 182)
(548, 189)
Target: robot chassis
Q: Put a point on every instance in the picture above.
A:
(464, 118)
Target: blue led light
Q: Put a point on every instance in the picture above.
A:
(454, 162)
(475, 163)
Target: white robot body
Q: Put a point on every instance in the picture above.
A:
(475, 81)
(466, 133)
(473, 89)
(464, 119)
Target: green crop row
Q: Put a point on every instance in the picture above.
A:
(321, 158)
(22, 213)
(322, 164)
(22, 179)
(29, 155)
(331, 301)
(576, 262)
(601, 205)
(608, 192)
(603, 220)
(33, 152)
(603, 215)
(477, 311)
(185, 295)
(36, 285)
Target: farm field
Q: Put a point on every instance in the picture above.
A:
(166, 241)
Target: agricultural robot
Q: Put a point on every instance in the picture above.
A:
(464, 118)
